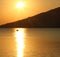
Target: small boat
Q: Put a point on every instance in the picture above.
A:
(17, 30)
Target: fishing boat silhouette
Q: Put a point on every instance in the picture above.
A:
(17, 30)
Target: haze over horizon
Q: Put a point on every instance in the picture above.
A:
(10, 13)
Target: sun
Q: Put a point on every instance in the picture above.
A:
(20, 5)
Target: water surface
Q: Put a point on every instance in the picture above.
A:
(29, 42)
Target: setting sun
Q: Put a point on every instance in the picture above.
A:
(20, 5)
(14, 10)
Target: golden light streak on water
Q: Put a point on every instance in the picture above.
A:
(19, 34)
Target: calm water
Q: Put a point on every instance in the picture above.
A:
(29, 42)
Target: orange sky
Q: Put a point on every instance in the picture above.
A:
(9, 12)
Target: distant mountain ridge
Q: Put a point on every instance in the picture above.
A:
(46, 19)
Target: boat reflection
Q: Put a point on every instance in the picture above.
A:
(19, 34)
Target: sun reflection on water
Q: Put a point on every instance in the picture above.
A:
(19, 34)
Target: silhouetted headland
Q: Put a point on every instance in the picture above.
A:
(46, 19)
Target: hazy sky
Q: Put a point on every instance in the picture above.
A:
(9, 12)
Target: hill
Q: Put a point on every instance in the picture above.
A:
(46, 19)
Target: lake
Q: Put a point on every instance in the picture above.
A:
(29, 42)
